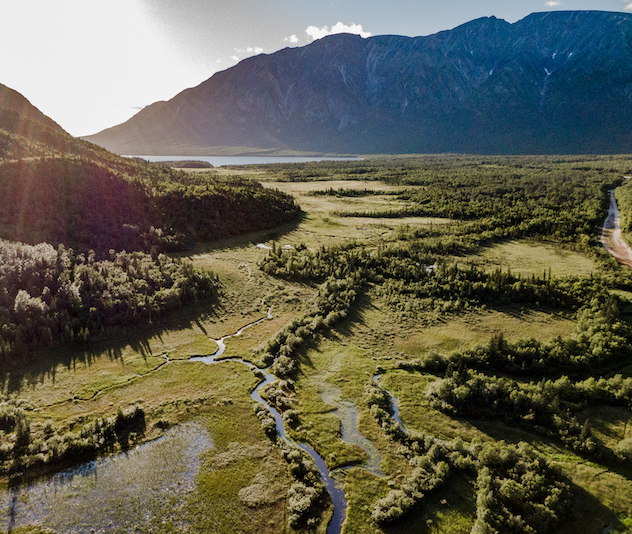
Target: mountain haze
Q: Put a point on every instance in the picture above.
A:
(58, 189)
(557, 82)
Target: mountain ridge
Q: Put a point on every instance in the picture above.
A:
(551, 82)
(59, 189)
(12, 100)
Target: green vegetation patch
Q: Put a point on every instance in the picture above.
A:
(492, 317)
(242, 484)
(527, 258)
(471, 328)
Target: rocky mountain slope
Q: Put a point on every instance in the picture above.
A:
(557, 82)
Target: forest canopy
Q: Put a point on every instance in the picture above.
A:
(82, 232)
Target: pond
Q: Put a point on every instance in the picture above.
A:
(143, 489)
(146, 489)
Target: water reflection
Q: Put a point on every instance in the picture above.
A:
(142, 489)
(348, 415)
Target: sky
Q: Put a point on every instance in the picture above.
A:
(92, 64)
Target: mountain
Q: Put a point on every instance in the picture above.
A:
(55, 188)
(14, 101)
(557, 82)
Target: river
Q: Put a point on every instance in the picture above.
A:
(332, 486)
(147, 485)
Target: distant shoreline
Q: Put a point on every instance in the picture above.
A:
(219, 161)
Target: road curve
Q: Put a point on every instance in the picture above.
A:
(611, 237)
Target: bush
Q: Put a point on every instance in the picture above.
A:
(300, 501)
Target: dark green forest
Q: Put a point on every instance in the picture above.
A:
(84, 232)
(89, 206)
(545, 388)
(51, 297)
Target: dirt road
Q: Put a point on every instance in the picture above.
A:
(611, 237)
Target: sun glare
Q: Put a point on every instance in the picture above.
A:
(97, 57)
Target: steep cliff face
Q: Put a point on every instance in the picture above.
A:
(552, 82)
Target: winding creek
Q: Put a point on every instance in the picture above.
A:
(332, 486)
(146, 486)
(348, 415)
(394, 402)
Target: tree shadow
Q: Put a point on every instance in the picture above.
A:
(589, 514)
(451, 508)
(336, 332)
(245, 240)
(44, 364)
(511, 433)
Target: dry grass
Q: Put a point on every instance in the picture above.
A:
(477, 328)
(242, 484)
(528, 258)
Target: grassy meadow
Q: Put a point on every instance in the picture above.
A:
(393, 327)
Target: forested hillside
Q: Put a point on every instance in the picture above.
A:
(58, 189)
(89, 204)
(79, 224)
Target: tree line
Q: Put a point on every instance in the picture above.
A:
(517, 490)
(53, 296)
(27, 447)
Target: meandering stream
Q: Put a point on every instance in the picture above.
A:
(333, 487)
(148, 485)
(394, 402)
(348, 415)
(346, 411)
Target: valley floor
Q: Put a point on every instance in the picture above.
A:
(241, 479)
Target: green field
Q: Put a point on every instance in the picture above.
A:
(432, 291)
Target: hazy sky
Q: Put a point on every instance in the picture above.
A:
(92, 64)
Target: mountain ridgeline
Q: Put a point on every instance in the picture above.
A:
(557, 82)
(56, 189)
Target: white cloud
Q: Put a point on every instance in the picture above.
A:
(249, 50)
(553, 3)
(318, 33)
(628, 7)
(291, 39)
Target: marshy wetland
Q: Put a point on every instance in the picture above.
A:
(474, 288)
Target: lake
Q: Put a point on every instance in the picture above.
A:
(219, 161)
